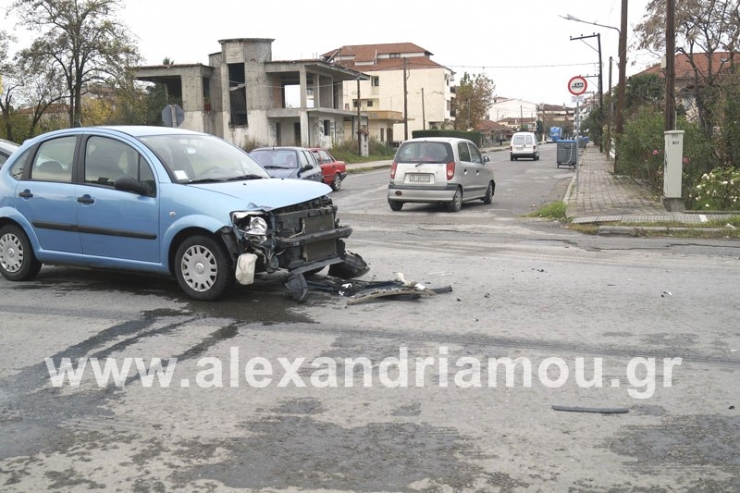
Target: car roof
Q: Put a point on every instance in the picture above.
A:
(280, 148)
(8, 145)
(438, 139)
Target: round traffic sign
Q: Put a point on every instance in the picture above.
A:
(577, 85)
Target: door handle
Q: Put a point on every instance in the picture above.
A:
(25, 194)
(85, 199)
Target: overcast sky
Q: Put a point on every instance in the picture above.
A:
(524, 46)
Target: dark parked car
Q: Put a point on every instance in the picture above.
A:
(6, 149)
(332, 171)
(288, 162)
(164, 201)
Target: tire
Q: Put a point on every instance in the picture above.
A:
(456, 203)
(336, 183)
(396, 205)
(17, 260)
(511, 157)
(488, 199)
(203, 268)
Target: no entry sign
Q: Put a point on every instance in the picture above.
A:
(577, 85)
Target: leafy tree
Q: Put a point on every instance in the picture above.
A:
(81, 40)
(703, 27)
(473, 99)
(644, 89)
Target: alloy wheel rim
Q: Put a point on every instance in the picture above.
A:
(199, 269)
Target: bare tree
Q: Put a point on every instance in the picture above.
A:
(80, 40)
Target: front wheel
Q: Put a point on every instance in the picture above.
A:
(17, 260)
(203, 268)
(456, 204)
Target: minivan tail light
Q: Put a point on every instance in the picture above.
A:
(450, 170)
(393, 170)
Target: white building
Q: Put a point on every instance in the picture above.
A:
(514, 112)
(425, 98)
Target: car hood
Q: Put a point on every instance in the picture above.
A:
(283, 172)
(268, 193)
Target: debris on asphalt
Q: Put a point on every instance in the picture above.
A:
(666, 293)
(359, 291)
(600, 410)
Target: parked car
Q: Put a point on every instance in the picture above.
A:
(524, 144)
(288, 162)
(6, 149)
(333, 172)
(164, 201)
(440, 169)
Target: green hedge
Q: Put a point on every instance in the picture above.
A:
(476, 137)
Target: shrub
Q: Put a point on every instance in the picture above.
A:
(718, 190)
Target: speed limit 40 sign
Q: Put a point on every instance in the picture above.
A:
(577, 85)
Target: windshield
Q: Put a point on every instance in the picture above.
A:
(424, 152)
(190, 158)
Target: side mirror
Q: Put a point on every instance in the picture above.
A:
(307, 167)
(486, 158)
(129, 184)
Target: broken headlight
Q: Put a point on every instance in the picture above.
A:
(249, 224)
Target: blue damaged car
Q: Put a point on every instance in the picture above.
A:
(164, 201)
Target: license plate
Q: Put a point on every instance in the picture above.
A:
(519, 148)
(420, 178)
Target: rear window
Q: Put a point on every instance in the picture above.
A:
(424, 152)
(276, 158)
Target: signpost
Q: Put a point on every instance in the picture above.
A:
(577, 87)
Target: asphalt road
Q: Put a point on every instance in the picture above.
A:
(270, 395)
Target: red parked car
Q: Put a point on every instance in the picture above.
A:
(332, 171)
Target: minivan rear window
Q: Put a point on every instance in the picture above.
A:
(424, 152)
(520, 140)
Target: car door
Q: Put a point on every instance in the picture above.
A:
(483, 173)
(467, 177)
(45, 196)
(113, 223)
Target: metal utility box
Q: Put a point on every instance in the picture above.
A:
(567, 153)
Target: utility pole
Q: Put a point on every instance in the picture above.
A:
(609, 113)
(359, 134)
(670, 68)
(601, 87)
(423, 112)
(405, 103)
(622, 76)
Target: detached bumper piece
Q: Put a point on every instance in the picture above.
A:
(365, 291)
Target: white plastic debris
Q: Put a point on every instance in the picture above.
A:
(245, 266)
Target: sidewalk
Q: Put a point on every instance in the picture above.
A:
(597, 195)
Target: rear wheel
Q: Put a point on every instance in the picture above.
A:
(17, 260)
(336, 183)
(203, 268)
(488, 199)
(456, 203)
(396, 205)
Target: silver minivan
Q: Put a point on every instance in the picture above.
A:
(440, 169)
(524, 144)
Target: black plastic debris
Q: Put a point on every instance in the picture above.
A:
(359, 291)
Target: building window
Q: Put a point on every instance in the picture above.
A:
(394, 55)
(370, 104)
(375, 81)
(355, 103)
(237, 94)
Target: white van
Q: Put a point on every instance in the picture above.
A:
(524, 144)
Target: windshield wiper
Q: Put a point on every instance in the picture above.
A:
(206, 180)
(245, 177)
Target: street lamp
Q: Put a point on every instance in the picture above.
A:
(622, 59)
